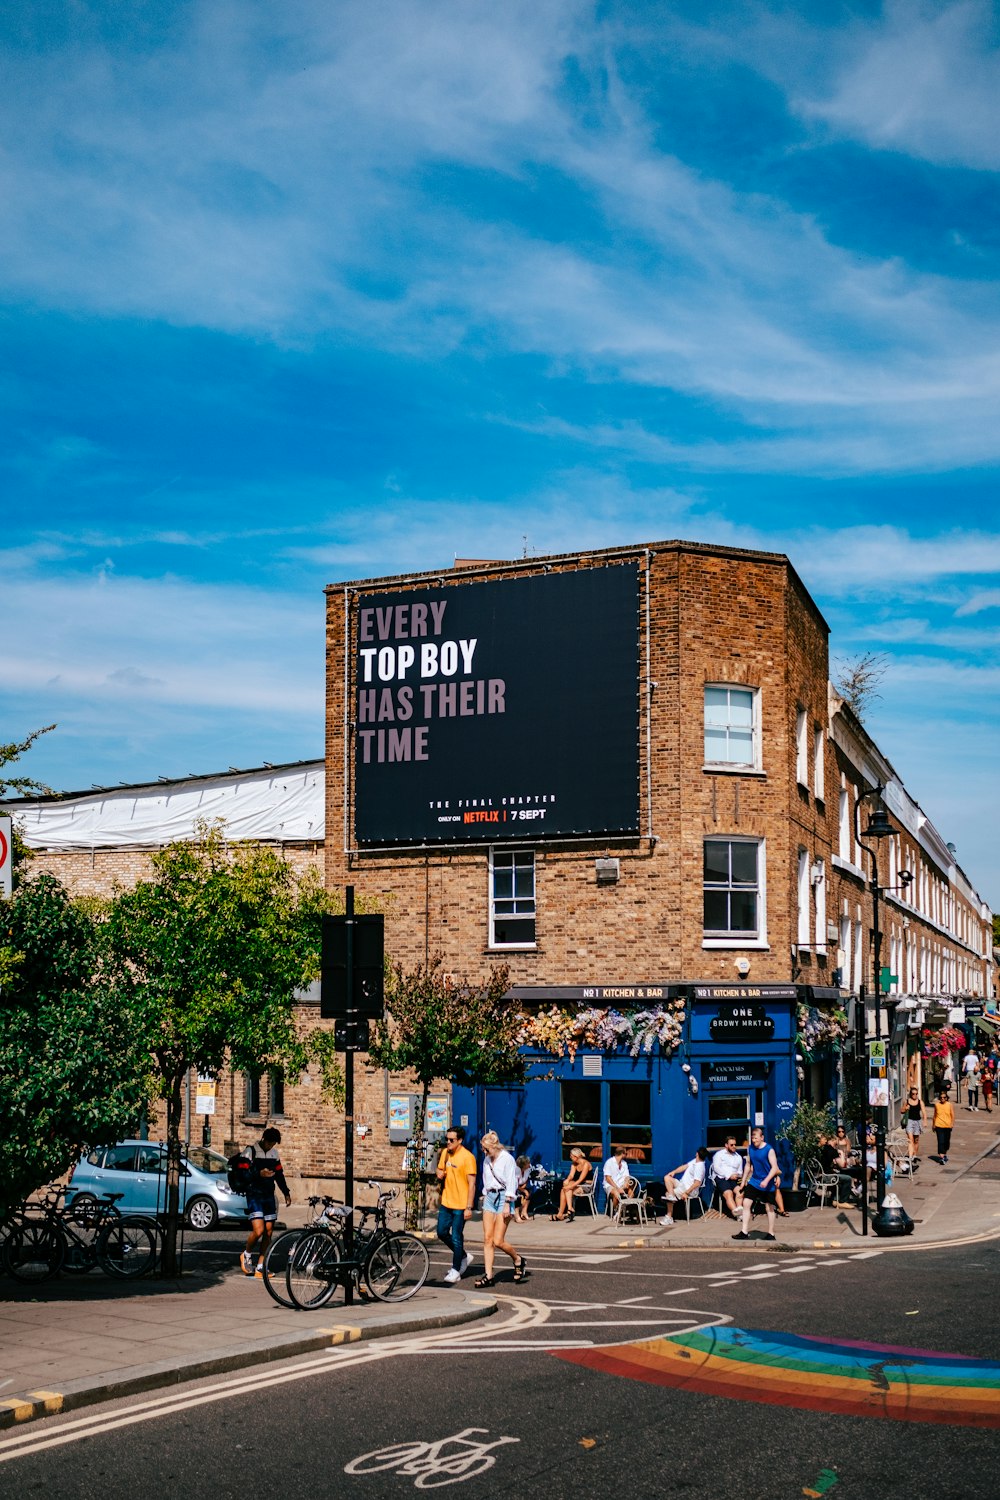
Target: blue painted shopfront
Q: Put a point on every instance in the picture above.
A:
(735, 1067)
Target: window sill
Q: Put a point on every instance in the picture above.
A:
(720, 769)
(512, 948)
(840, 863)
(760, 945)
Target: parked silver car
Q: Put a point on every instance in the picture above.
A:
(137, 1169)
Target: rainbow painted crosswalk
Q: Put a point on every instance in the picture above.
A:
(831, 1375)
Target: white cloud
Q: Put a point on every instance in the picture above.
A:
(253, 176)
(923, 79)
(976, 603)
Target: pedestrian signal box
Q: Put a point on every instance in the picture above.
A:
(366, 997)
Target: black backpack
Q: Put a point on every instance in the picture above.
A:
(242, 1172)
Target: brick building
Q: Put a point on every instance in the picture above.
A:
(625, 775)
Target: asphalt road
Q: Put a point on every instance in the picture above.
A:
(548, 1425)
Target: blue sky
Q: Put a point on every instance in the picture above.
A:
(293, 294)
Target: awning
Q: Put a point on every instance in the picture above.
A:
(984, 1023)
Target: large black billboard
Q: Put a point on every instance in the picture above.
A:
(497, 710)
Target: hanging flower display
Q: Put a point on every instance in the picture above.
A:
(819, 1028)
(938, 1043)
(563, 1031)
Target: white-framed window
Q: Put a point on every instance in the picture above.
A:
(817, 876)
(819, 767)
(512, 898)
(732, 726)
(844, 821)
(802, 748)
(844, 953)
(802, 899)
(733, 889)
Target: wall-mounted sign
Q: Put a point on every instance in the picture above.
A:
(741, 1075)
(501, 709)
(745, 992)
(204, 1103)
(741, 1023)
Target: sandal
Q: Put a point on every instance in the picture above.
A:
(486, 1281)
(521, 1270)
(569, 1218)
(557, 1218)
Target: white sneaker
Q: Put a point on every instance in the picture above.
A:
(452, 1276)
(466, 1263)
(666, 1223)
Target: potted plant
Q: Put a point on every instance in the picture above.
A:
(801, 1135)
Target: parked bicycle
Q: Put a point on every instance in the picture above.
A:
(389, 1264)
(279, 1252)
(48, 1236)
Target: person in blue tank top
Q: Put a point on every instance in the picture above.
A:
(760, 1176)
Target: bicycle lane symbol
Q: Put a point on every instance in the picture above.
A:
(431, 1465)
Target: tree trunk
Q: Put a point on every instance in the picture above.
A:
(170, 1265)
(415, 1172)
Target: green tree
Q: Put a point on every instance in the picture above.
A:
(436, 1027)
(209, 953)
(21, 784)
(71, 1065)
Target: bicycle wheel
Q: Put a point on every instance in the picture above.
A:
(34, 1251)
(276, 1263)
(127, 1248)
(313, 1269)
(396, 1267)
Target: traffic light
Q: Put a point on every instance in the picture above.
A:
(368, 967)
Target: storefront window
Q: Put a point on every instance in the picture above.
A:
(581, 1119)
(598, 1117)
(628, 1112)
(728, 1114)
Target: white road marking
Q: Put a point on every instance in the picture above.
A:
(760, 1276)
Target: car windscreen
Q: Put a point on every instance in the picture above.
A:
(207, 1161)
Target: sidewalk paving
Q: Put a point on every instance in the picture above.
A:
(77, 1341)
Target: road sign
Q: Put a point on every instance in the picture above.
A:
(367, 966)
(876, 1054)
(6, 858)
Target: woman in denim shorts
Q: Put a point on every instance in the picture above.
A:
(499, 1197)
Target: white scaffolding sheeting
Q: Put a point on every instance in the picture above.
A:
(281, 804)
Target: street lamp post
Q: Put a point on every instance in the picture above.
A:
(878, 828)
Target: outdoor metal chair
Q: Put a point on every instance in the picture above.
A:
(822, 1183)
(585, 1194)
(636, 1203)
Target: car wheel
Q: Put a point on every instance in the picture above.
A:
(201, 1214)
(82, 1204)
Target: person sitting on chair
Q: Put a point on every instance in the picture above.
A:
(684, 1182)
(727, 1169)
(617, 1177)
(579, 1171)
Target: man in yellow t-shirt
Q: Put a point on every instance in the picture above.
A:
(944, 1123)
(456, 1172)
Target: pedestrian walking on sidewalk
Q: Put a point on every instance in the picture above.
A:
(943, 1122)
(262, 1205)
(989, 1085)
(973, 1073)
(759, 1176)
(499, 1198)
(916, 1119)
(456, 1172)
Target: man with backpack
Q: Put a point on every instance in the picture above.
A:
(262, 1206)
